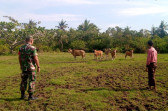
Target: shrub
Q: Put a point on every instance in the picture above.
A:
(139, 45)
(4, 49)
(160, 44)
(46, 48)
(78, 44)
(57, 50)
(96, 44)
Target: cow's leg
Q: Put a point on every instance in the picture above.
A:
(83, 57)
(101, 57)
(125, 56)
(107, 56)
(95, 57)
(74, 57)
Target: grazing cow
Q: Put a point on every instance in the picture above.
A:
(75, 53)
(98, 53)
(129, 53)
(113, 54)
(107, 51)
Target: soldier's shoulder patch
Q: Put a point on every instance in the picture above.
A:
(33, 48)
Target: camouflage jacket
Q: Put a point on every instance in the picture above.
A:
(27, 53)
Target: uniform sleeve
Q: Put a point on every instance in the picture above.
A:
(35, 52)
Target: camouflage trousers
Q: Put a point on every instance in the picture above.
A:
(28, 78)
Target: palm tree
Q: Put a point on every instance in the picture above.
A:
(154, 31)
(162, 29)
(61, 36)
(84, 26)
(62, 25)
(87, 26)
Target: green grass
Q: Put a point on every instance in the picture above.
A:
(89, 85)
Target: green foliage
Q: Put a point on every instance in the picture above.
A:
(57, 50)
(4, 50)
(96, 44)
(46, 49)
(14, 33)
(87, 36)
(161, 44)
(78, 44)
(139, 45)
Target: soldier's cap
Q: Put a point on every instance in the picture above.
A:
(29, 38)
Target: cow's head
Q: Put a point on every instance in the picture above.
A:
(70, 50)
(109, 49)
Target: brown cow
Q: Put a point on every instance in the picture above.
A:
(129, 53)
(107, 51)
(75, 53)
(98, 53)
(113, 54)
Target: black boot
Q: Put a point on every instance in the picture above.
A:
(23, 95)
(31, 97)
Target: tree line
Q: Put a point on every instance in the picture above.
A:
(86, 36)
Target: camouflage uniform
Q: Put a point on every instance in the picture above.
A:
(28, 66)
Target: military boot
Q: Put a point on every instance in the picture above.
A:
(23, 95)
(31, 97)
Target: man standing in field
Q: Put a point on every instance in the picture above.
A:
(151, 65)
(28, 61)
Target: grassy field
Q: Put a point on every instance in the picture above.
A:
(65, 84)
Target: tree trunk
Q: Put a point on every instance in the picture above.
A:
(62, 46)
(12, 50)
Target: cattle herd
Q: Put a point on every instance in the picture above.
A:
(98, 54)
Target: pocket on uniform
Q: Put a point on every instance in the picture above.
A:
(32, 68)
(33, 75)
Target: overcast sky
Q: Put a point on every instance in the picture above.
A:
(136, 14)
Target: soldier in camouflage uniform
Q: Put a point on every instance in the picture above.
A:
(28, 62)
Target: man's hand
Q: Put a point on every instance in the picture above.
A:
(37, 63)
(146, 69)
(38, 69)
